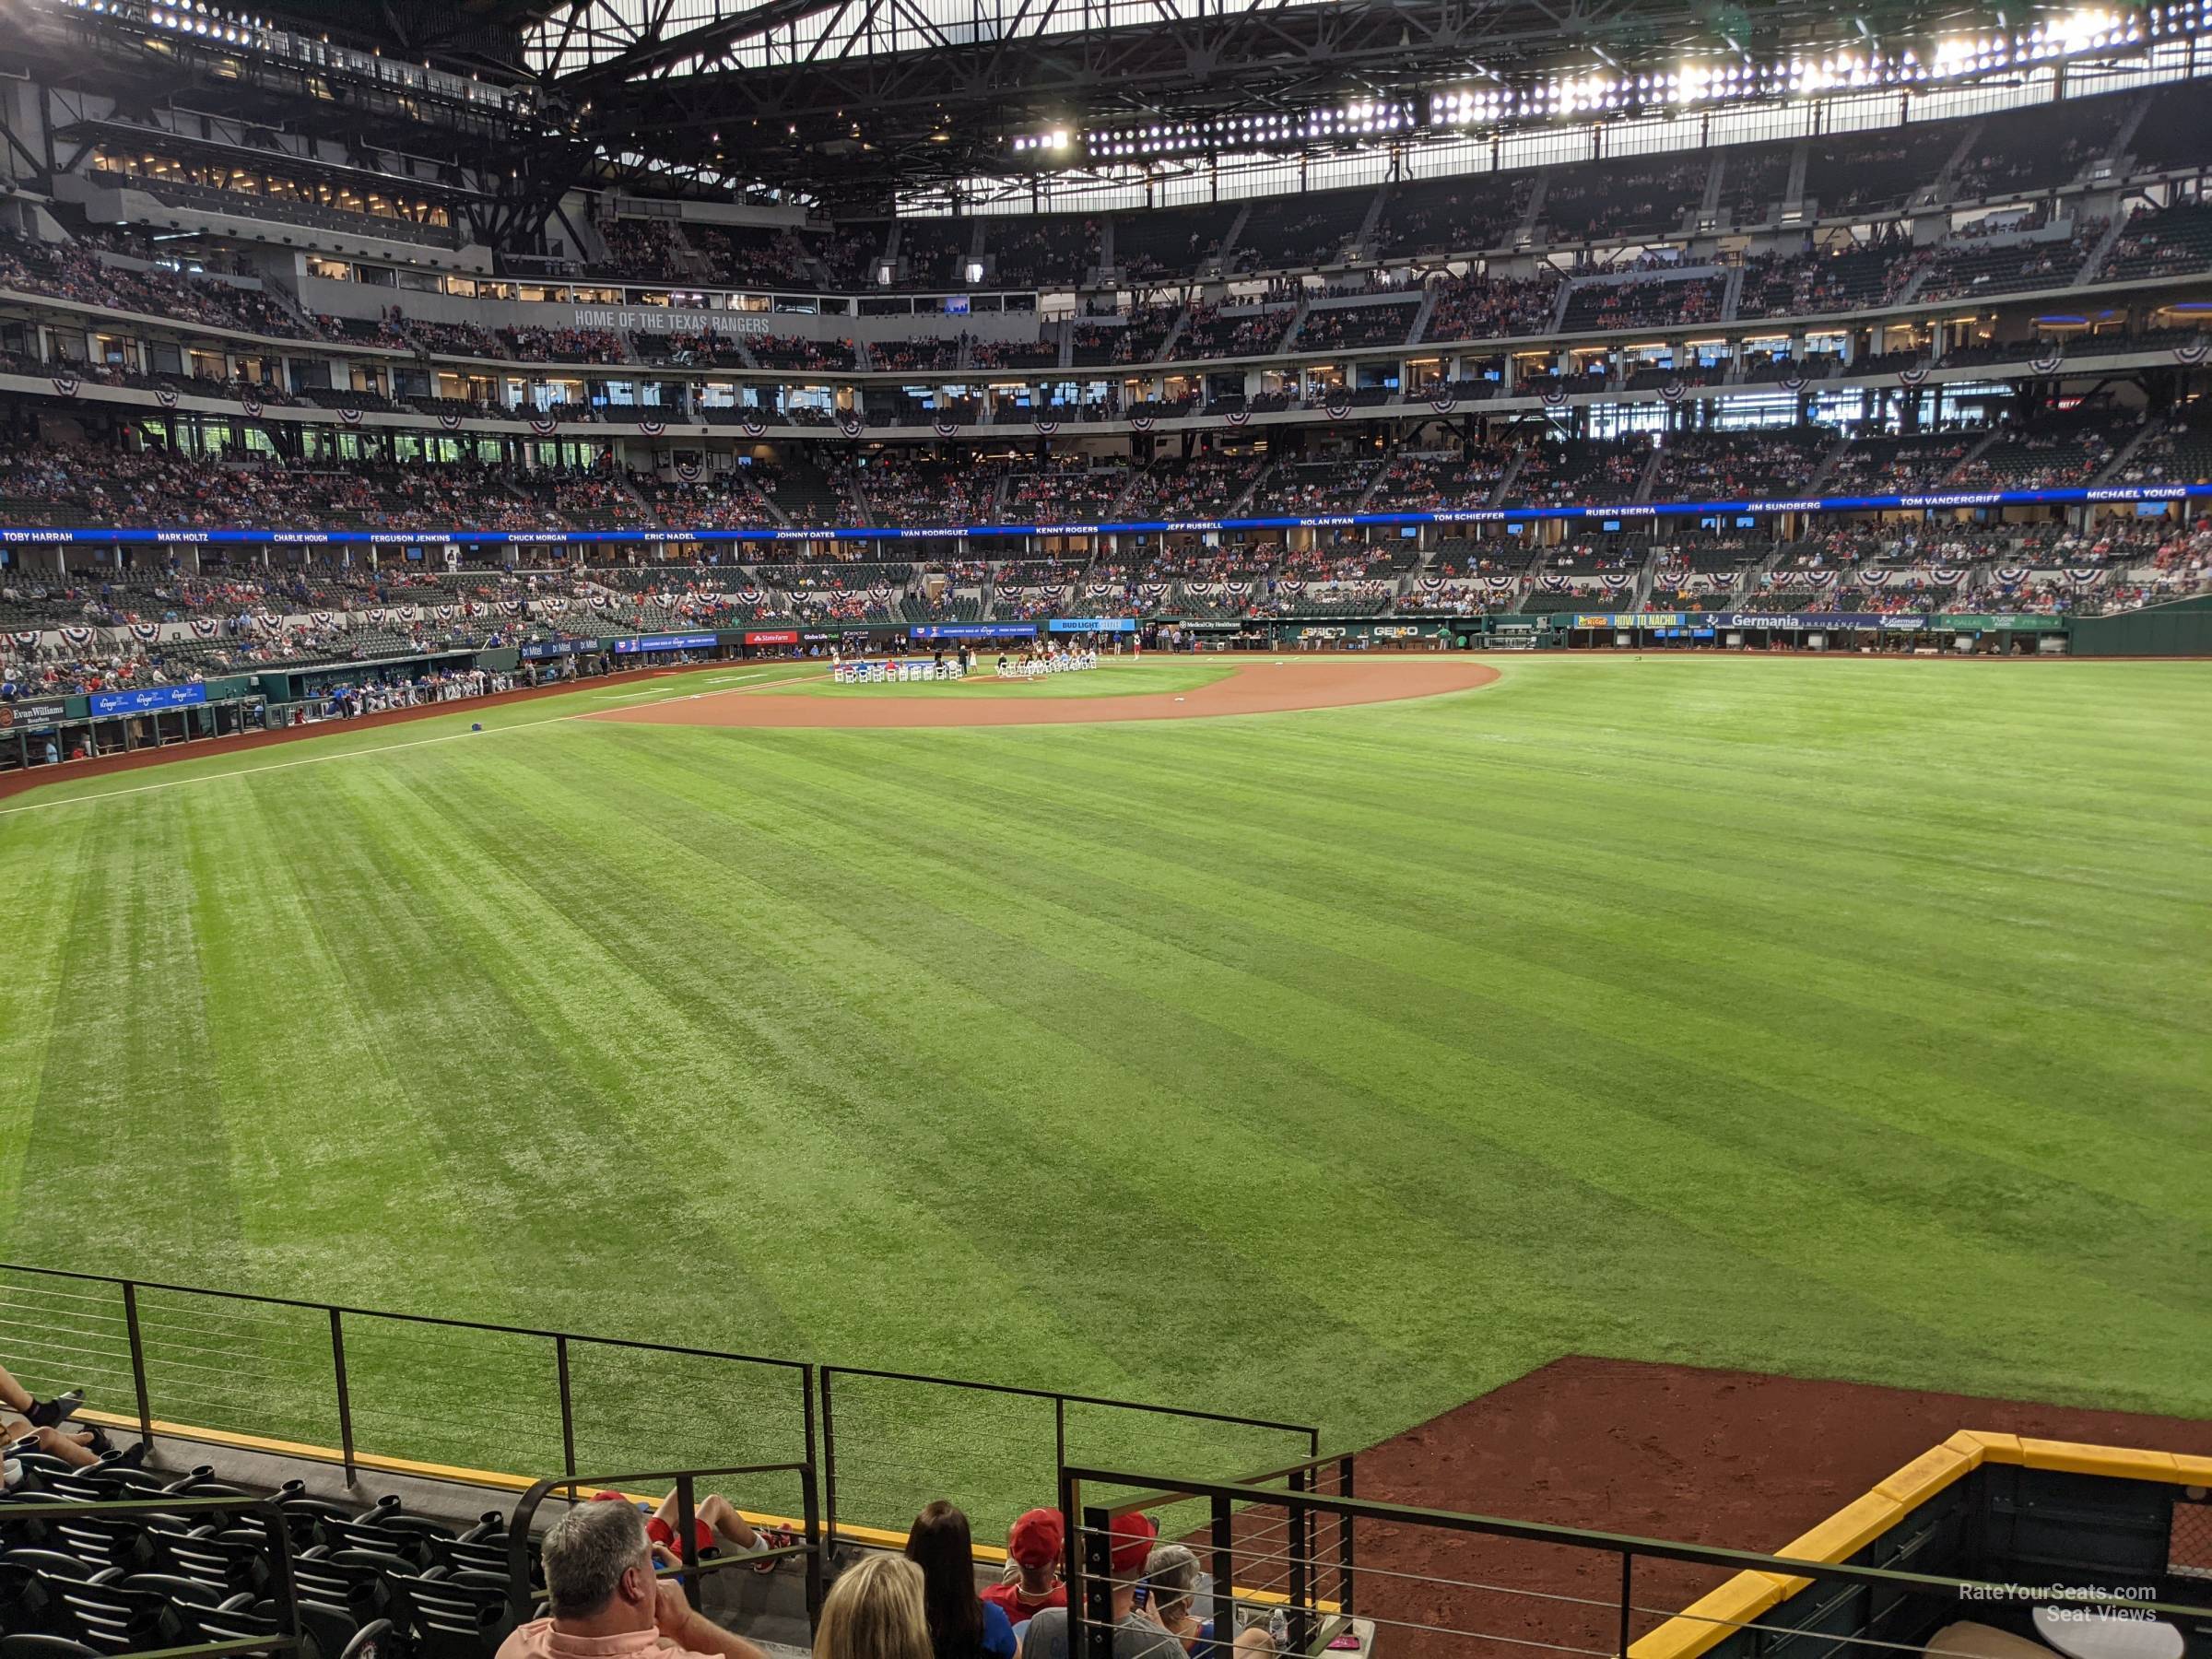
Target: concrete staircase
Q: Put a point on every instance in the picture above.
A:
(1421, 313)
(2144, 434)
(1732, 294)
(2101, 252)
(1648, 476)
(1228, 238)
(1532, 217)
(1363, 239)
(1793, 193)
(1167, 344)
(1818, 481)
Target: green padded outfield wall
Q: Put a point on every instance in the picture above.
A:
(2180, 629)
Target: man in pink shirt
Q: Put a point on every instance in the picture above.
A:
(605, 1602)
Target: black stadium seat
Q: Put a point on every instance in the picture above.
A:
(454, 1614)
(44, 1647)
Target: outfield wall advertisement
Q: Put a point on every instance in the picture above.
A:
(1938, 501)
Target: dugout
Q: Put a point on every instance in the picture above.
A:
(57, 730)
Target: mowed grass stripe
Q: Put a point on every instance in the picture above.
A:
(1290, 853)
(1671, 993)
(1278, 1094)
(1160, 976)
(42, 879)
(881, 962)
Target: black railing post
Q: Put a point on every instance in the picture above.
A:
(829, 1466)
(567, 1408)
(129, 1324)
(1071, 1564)
(1225, 1571)
(818, 1551)
(687, 1522)
(810, 1499)
(286, 1587)
(338, 1363)
(1301, 1574)
(1059, 1429)
(1095, 1617)
(1347, 1564)
(1627, 1579)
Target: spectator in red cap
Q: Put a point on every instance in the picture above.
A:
(1136, 1635)
(1033, 1546)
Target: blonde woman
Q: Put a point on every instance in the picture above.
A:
(874, 1611)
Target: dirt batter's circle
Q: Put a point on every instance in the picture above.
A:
(1249, 688)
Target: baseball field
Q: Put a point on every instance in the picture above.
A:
(1833, 1019)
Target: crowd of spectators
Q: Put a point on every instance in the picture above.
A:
(801, 351)
(1645, 302)
(71, 271)
(563, 345)
(1215, 330)
(1477, 307)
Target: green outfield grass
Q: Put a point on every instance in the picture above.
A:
(1835, 1018)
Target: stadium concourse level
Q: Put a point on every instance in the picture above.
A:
(1932, 249)
(79, 623)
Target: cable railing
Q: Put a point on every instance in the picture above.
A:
(475, 1402)
(812, 1549)
(1277, 1550)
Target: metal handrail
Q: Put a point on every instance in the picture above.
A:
(812, 1396)
(1061, 1401)
(813, 1549)
(1089, 1572)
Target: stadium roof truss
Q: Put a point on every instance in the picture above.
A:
(829, 93)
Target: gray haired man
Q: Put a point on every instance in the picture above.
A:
(605, 1602)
